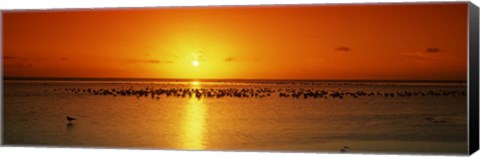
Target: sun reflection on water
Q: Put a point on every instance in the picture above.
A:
(194, 123)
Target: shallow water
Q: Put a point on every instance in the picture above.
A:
(34, 114)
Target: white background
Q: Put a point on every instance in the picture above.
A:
(74, 152)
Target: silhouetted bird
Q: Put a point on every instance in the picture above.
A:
(344, 149)
(70, 118)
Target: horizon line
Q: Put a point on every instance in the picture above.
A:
(216, 79)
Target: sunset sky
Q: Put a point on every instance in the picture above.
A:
(348, 42)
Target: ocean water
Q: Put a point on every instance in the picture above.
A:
(350, 116)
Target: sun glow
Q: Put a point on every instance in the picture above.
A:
(195, 83)
(195, 63)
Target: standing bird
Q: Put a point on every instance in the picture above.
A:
(344, 149)
(70, 119)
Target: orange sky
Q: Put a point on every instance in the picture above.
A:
(411, 42)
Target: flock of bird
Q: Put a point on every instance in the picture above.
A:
(156, 93)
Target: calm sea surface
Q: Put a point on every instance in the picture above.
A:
(397, 117)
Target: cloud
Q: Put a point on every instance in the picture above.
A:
(12, 58)
(18, 66)
(413, 55)
(154, 61)
(149, 61)
(230, 59)
(342, 49)
(432, 50)
(9, 57)
(427, 54)
(199, 56)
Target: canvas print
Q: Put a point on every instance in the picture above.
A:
(351, 78)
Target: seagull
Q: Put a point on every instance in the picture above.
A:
(70, 118)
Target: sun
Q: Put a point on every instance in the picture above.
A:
(195, 63)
